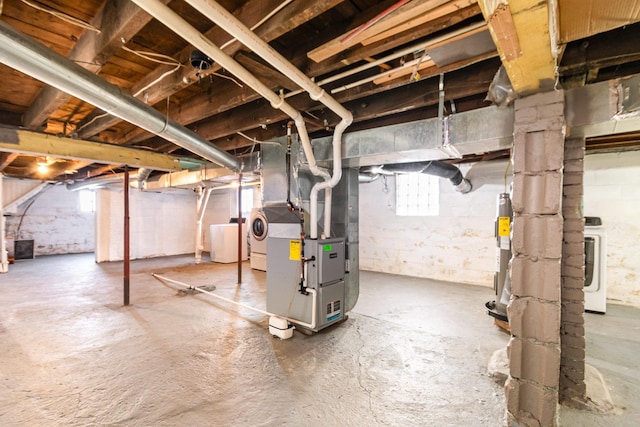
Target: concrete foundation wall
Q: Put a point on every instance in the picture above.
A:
(458, 245)
(54, 221)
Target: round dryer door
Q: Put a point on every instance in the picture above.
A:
(259, 227)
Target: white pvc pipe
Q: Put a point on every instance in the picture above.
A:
(313, 293)
(181, 27)
(201, 207)
(237, 29)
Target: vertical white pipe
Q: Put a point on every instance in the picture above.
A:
(201, 207)
(237, 29)
(4, 261)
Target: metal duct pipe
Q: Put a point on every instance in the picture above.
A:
(101, 181)
(30, 57)
(181, 27)
(365, 178)
(220, 16)
(143, 174)
(434, 167)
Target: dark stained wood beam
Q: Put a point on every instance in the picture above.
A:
(583, 59)
(297, 13)
(118, 19)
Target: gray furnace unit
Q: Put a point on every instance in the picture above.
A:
(299, 268)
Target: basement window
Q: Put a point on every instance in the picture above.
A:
(87, 201)
(417, 195)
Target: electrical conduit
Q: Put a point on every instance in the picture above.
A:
(220, 16)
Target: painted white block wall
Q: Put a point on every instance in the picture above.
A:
(459, 246)
(54, 221)
(161, 224)
(612, 192)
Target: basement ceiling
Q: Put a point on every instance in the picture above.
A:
(123, 45)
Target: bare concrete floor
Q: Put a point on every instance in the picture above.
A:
(412, 353)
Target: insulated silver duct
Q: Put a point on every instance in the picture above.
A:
(30, 57)
(434, 167)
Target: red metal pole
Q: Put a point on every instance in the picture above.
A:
(126, 236)
(240, 228)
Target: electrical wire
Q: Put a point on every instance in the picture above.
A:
(262, 21)
(68, 18)
(151, 56)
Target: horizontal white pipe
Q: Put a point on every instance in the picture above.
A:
(313, 293)
(181, 27)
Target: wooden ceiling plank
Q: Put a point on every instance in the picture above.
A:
(118, 19)
(439, 12)
(355, 54)
(297, 13)
(397, 17)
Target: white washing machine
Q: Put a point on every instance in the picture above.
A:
(595, 277)
(258, 239)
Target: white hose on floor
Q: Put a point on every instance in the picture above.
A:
(313, 293)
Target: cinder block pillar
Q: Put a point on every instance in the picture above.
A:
(535, 306)
(572, 385)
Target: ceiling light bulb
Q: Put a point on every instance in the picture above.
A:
(43, 168)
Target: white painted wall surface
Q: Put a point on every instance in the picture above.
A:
(459, 245)
(161, 224)
(53, 221)
(612, 192)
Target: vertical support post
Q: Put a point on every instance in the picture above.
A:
(4, 262)
(126, 236)
(535, 305)
(240, 228)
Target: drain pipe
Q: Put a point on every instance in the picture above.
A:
(201, 208)
(220, 16)
(313, 293)
(24, 54)
(168, 17)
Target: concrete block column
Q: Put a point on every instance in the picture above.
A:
(572, 380)
(537, 241)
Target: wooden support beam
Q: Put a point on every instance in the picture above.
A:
(118, 19)
(39, 144)
(520, 30)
